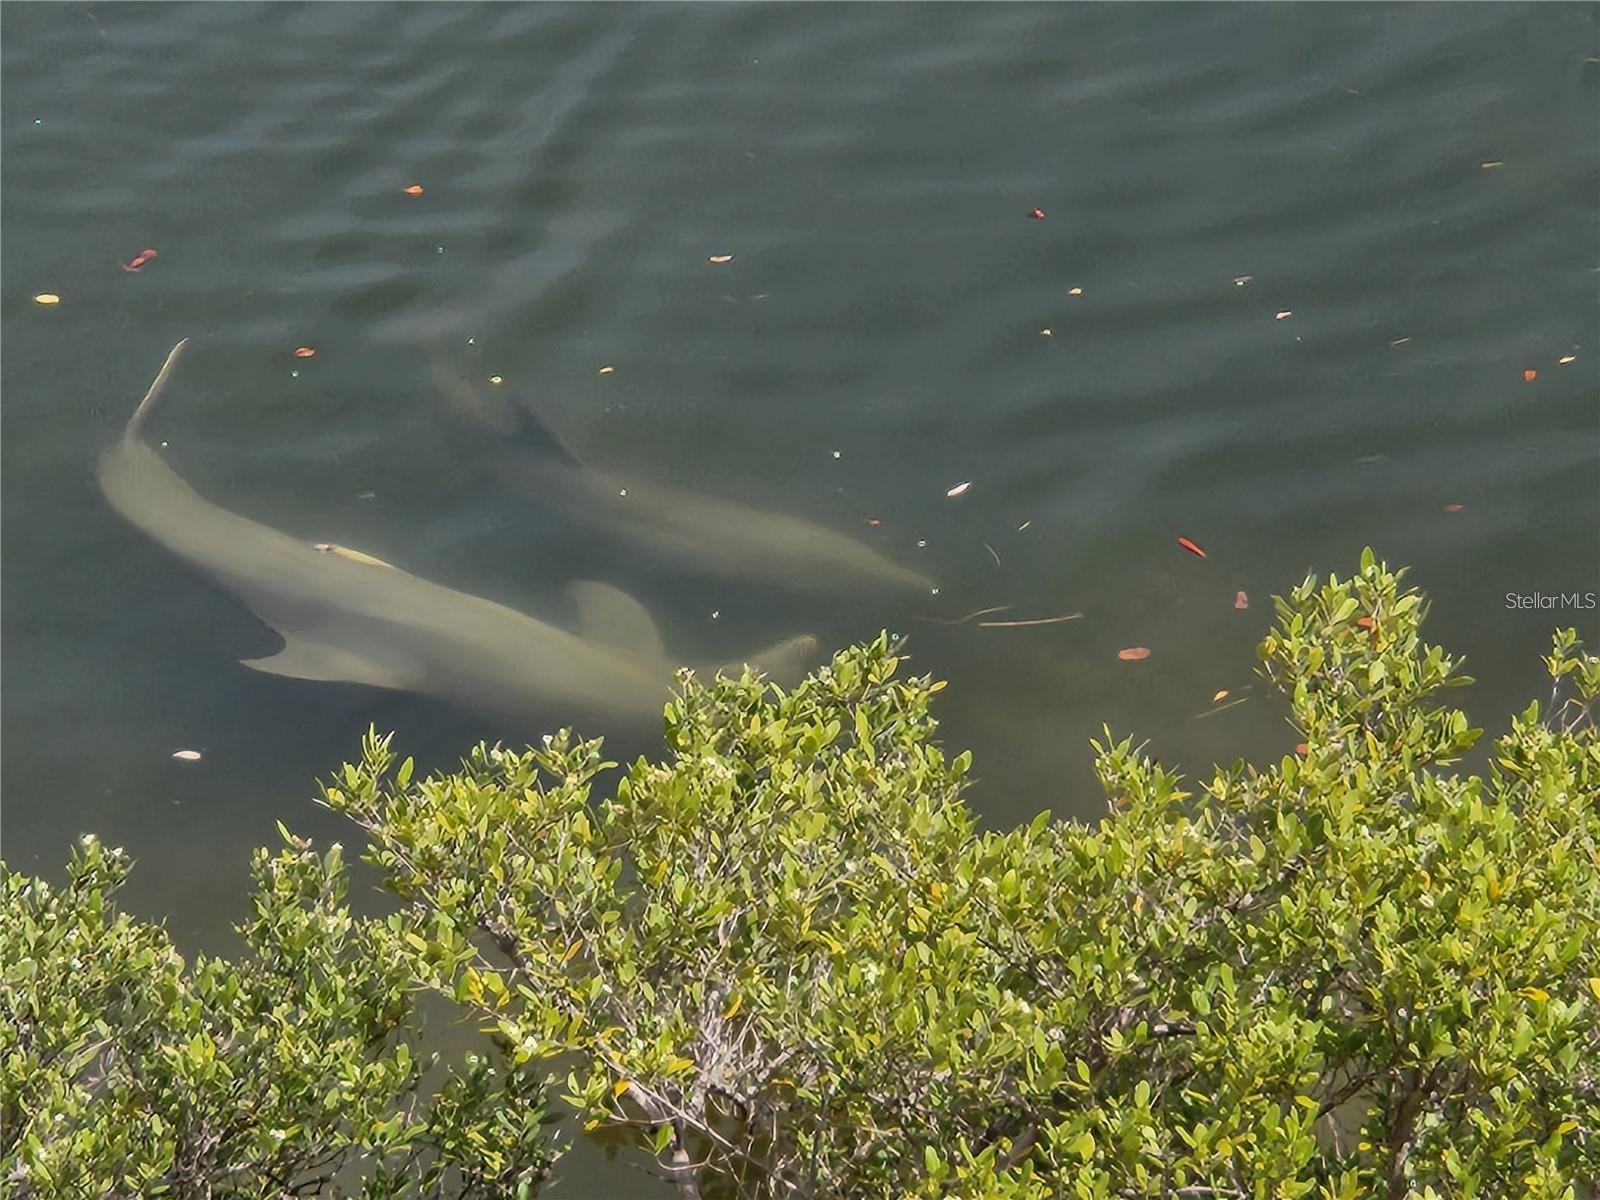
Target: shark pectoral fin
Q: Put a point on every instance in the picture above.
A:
(615, 619)
(302, 658)
(784, 663)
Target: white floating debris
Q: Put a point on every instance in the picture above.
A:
(836, 454)
(1241, 280)
(958, 489)
(922, 544)
(1286, 313)
(496, 379)
(187, 755)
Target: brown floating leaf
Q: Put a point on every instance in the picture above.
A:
(1133, 653)
(1241, 600)
(1454, 507)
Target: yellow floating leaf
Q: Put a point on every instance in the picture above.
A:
(607, 370)
(47, 299)
(1219, 695)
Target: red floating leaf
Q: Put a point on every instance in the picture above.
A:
(1529, 375)
(1241, 600)
(1037, 214)
(305, 352)
(1191, 547)
(1133, 653)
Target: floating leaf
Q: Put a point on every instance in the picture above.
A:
(414, 190)
(1241, 600)
(607, 370)
(187, 755)
(1077, 291)
(1037, 214)
(47, 299)
(1220, 695)
(1453, 508)
(1284, 315)
(1529, 375)
(719, 259)
(1570, 358)
(1191, 547)
(305, 352)
(958, 489)
(1133, 653)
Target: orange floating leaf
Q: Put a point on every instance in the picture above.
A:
(1241, 600)
(1133, 653)
(304, 352)
(1454, 507)
(1191, 547)
(1529, 375)
(414, 190)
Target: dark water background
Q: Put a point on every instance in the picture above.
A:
(875, 340)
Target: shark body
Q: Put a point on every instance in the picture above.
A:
(729, 540)
(345, 616)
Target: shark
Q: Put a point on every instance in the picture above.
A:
(349, 617)
(715, 536)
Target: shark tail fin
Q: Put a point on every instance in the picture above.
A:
(136, 422)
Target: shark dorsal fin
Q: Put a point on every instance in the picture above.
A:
(303, 658)
(615, 619)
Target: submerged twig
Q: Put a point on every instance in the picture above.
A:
(1035, 621)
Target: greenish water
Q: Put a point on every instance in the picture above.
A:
(875, 340)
